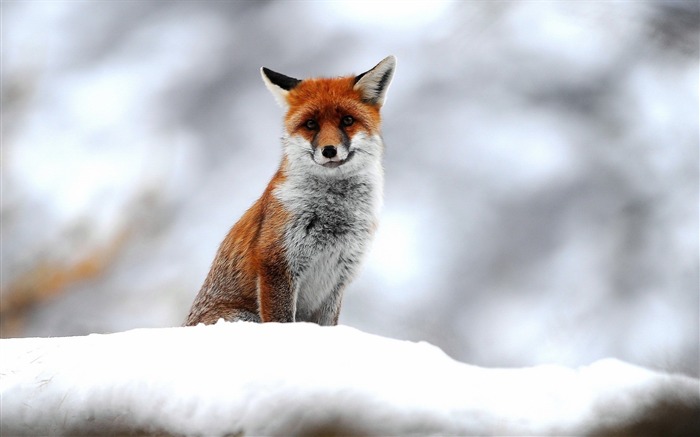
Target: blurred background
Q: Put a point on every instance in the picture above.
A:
(541, 200)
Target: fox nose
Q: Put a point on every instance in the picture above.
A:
(329, 151)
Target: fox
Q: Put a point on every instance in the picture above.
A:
(291, 255)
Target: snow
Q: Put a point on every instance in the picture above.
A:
(300, 379)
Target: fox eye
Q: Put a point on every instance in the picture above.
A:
(311, 124)
(348, 120)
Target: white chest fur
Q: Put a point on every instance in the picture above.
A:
(333, 217)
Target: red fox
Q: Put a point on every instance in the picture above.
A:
(290, 256)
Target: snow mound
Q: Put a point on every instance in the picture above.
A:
(303, 379)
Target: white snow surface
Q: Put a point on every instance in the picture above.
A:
(301, 379)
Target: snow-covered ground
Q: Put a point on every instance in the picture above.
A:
(541, 199)
(302, 379)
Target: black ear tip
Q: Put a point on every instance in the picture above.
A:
(282, 81)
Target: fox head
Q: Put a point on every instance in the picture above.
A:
(332, 124)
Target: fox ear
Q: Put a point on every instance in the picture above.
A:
(374, 83)
(278, 84)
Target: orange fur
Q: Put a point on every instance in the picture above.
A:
(328, 100)
(251, 243)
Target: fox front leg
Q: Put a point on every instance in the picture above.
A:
(329, 311)
(276, 296)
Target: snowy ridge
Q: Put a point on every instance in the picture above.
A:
(301, 379)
